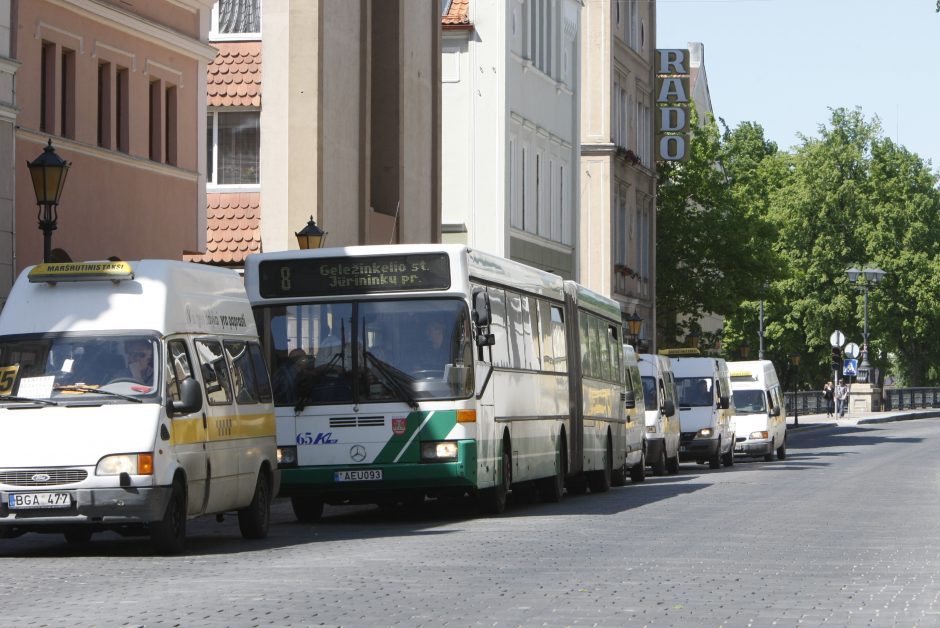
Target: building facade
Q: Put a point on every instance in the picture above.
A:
(618, 169)
(511, 74)
(119, 87)
(8, 67)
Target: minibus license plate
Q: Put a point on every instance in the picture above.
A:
(19, 501)
(358, 475)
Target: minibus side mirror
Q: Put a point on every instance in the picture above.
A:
(481, 308)
(190, 398)
(629, 399)
(669, 408)
(775, 411)
(724, 403)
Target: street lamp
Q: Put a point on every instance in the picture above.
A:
(634, 325)
(760, 329)
(872, 276)
(311, 236)
(48, 173)
(795, 362)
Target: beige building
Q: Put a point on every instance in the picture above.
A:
(617, 243)
(119, 86)
(351, 121)
(8, 67)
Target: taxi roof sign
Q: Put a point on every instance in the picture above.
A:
(747, 374)
(680, 351)
(81, 271)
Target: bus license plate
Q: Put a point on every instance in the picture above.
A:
(358, 475)
(20, 501)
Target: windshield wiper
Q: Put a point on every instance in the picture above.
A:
(92, 389)
(45, 402)
(398, 382)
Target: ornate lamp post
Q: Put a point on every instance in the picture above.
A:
(311, 236)
(744, 350)
(872, 276)
(760, 330)
(634, 325)
(48, 172)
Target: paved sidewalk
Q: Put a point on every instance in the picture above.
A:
(807, 421)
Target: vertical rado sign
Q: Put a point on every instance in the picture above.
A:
(672, 104)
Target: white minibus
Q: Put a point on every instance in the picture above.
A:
(758, 421)
(662, 418)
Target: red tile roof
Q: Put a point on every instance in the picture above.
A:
(458, 16)
(234, 228)
(234, 76)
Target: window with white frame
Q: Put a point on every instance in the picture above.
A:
(621, 227)
(236, 19)
(644, 130)
(234, 148)
(644, 211)
(539, 32)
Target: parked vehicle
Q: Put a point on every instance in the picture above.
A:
(635, 417)
(134, 397)
(705, 408)
(758, 421)
(662, 417)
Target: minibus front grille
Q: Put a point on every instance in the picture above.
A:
(42, 477)
(687, 436)
(362, 421)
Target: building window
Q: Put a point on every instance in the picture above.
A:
(67, 93)
(121, 109)
(234, 147)
(236, 19)
(104, 105)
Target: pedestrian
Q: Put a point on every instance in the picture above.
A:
(829, 398)
(842, 398)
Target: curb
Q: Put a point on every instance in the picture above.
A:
(909, 416)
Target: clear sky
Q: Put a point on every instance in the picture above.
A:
(784, 63)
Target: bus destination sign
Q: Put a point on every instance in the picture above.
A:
(325, 276)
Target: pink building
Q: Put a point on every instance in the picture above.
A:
(119, 86)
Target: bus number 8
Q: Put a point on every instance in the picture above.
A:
(285, 279)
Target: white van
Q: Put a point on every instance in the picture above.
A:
(759, 422)
(705, 407)
(133, 396)
(634, 416)
(662, 419)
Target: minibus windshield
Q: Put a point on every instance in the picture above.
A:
(649, 392)
(75, 367)
(695, 391)
(749, 402)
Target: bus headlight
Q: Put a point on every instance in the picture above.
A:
(759, 435)
(433, 451)
(131, 464)
(287, 456)
(705, 432)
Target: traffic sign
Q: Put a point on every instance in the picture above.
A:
(837, 339)
(851, 350)
(850, 367)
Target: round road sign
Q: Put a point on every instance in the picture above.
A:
(837, 339)
(852, 350)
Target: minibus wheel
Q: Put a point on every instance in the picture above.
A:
(715, 461)
(782, 450)
(728, 458)
(659, 465)
(770, 455)
(253, 521)
(168, 535)
(638, 471)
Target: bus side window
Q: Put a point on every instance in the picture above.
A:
(178, 368)
(214, 371)
(515, 331)
(498, 327)
(545, 326)
(558, 340)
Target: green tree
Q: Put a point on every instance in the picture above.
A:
(709, 242)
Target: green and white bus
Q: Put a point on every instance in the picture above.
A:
(407, 371)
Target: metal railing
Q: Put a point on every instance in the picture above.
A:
(807, 401)
(907, 398)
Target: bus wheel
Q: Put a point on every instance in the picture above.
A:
(168, 536)
(638, 471)
(493, 500)
(599, 481)
(253, 521)
(552, 489)
(659, 465)
(78, 536)
(307, 509)
(782, 450)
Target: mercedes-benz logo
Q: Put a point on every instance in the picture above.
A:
(357, 453)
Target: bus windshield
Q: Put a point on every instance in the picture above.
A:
(749, 401)
(368, 351)
(74, 367)
(695, 391)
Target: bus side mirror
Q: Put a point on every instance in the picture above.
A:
(481, 308)
(669, 408)
(190, 398)
(629, 399)
(723, 403)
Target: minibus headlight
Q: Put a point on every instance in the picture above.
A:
(433, 451)
(287, 456)
(705, 432)
(759, 435)
(131, 464)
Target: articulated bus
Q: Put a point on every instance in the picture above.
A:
(409, 371)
